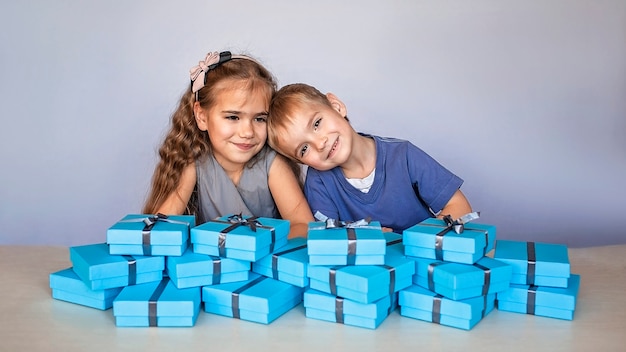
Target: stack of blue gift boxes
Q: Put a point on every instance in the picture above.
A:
(157, 270)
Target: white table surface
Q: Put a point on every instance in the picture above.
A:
(30, 320)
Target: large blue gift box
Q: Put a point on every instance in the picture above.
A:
(288, 263)
(195, 270)
(322, 306)
(101, 270)
(337, 243)
(460, 281)
(435, 239)
(237, 237)
(157, 304)
(419, 303)
(534, 263)
(366, 283)
(67, 286)
(151, 235)
(552, 302)
(260, 299)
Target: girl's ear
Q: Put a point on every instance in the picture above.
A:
(200, 115)
(337, 104)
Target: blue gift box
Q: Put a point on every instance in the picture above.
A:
(67, 286)
(150, 235)
(157, 304)
(534, 263)
(419, 303)
(100, 270)
(260, 299)
(434, 239)
(362, 244)
(195, 270)
(366, 283)
(322, 306)
(237, 237)
(460, 281)
(552, 302)
(288, 263)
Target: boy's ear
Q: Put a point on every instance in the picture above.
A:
(337, 104)
(200, 115)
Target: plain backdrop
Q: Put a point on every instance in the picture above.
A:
(525, 100)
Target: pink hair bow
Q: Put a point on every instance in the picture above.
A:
(197, 73)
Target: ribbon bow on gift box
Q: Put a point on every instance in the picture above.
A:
(149, 222)
(452, 225)
(238, 220)
(335, 223)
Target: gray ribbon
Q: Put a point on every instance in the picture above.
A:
(152, 302)
(235, 297)
(436, 317)
(275, 259)
(532, 261)
(236, 221)
(149, 223)
(339, 310)
(487, 280)
(217, 270)
(530, 299)
(431, 274)
(351, 246)
(132, 269)
(332, 280)
(392, 278)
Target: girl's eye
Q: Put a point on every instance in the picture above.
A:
(317, 123)
(232, 117)
(303, 150)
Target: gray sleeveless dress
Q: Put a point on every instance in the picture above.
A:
(218, 195)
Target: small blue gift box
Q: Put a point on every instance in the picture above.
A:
(237, 237)
(534, 263)
(552, 302)
(460, 281)
(322, 306)
(100, 270)
(150, 235)
(67, 286)
(260, 299)
(366, 283)
(195, 270)
(157, 304)
(333, 242)
(288, 263)
(419, 303)
(437, 239)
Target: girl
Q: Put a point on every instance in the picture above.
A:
(215, 160)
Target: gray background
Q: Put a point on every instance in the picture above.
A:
(525, 100)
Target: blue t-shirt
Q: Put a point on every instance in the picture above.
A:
(409, 186)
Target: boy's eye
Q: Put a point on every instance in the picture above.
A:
(232, 117)
(262, 118)
(303, 150)
(317, 123)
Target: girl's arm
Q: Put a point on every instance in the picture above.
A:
(176, 202)
(456, 207)
(289, 197)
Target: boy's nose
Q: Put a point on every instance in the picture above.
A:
(321, 143)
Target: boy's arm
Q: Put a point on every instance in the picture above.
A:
(456, 207)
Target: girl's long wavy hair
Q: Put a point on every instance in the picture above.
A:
(185, 142)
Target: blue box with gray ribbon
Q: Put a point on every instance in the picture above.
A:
(420, 303)
(332, 242)
(260, 299)
(460, 281)
(448, 241)
(366, 283)
(322, 306)
(552, 302)
(150, 235)
(157, 304)
(195, 270)
(535, 263)
(288, 263)
(67, 286)
(100, 270)
(240, 237)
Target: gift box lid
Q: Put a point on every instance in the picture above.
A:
(67, 280)
(323, 301)
(367, 239)
(244, 233)
(544, 296)
(535, 258)
(291, 258)
(93, 262)
(259, 293)
(170, 301)
(460, 276)
(147, 229)
(194, 264)
(421, 298)
(475, 238)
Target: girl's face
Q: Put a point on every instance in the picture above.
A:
(236, 125)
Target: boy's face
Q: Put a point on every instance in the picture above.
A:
(319, 135)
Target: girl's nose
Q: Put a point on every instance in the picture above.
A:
(246, 130)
